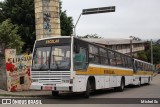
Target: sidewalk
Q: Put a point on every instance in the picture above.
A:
(155, 74)
(29, 93)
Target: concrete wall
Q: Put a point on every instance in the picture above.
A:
(15, 71)
(47, 18)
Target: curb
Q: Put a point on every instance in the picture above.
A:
(13, 95)
(155, 74)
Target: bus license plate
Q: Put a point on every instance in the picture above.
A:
(47, 88)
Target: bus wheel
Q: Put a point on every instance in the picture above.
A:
(87, 92)
(139, 84)
(121, 87)
(149, 81)
(55, 93)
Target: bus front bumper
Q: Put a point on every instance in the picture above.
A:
(55, 87)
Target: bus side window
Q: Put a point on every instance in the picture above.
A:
(112, 58)
(119, 60)
(80, 59)
(93, 54)
(103, 56)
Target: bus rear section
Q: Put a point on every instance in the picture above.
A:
(51, 65)
(143, 72)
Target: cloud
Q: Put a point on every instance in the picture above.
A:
(139, 18)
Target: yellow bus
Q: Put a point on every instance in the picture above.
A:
(70, 64)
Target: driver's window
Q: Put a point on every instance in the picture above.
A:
(60, 57)
(80, 59)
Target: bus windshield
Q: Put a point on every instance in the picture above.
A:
(51, 58)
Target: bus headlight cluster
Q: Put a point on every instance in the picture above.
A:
(65, 81)
(33, 80)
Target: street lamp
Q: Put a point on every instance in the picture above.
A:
(94, 11)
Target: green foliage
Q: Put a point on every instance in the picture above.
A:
(146, 55)
(135, 38)
(66, 23)
(142, 56)
(21, 13)
(9, 35)
(156, 54)
(90, 36)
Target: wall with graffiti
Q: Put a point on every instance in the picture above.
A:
(17, 70)
(47, 18)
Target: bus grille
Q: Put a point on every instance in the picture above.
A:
(50, 77)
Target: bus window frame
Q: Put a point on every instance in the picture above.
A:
(103, 56)
(94, 54)
(77, 44)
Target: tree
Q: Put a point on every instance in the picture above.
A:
(66, 23)
(90, 36)
(21, 13)
(142, 56)
(135, 38)
(156, 54)
(9, 37)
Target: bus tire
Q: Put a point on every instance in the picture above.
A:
(88, 88)
(55, 93)
(149, 81)
(139, 84)
(121, 87)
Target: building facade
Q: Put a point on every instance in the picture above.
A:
(125, 46)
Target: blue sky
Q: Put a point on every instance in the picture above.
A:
(138, 18)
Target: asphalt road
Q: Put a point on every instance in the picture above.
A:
(151, 91)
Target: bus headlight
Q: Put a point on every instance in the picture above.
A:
(33, 80)
(65, 81)
(68, 81)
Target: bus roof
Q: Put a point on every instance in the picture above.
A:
(54, 37)
(92, 44)
(142, 61)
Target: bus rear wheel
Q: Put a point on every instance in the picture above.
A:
(139, 84)
(149, 81)
(88, 88)
(121, 87)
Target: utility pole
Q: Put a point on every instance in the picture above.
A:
(151, 52)
(131, 50)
